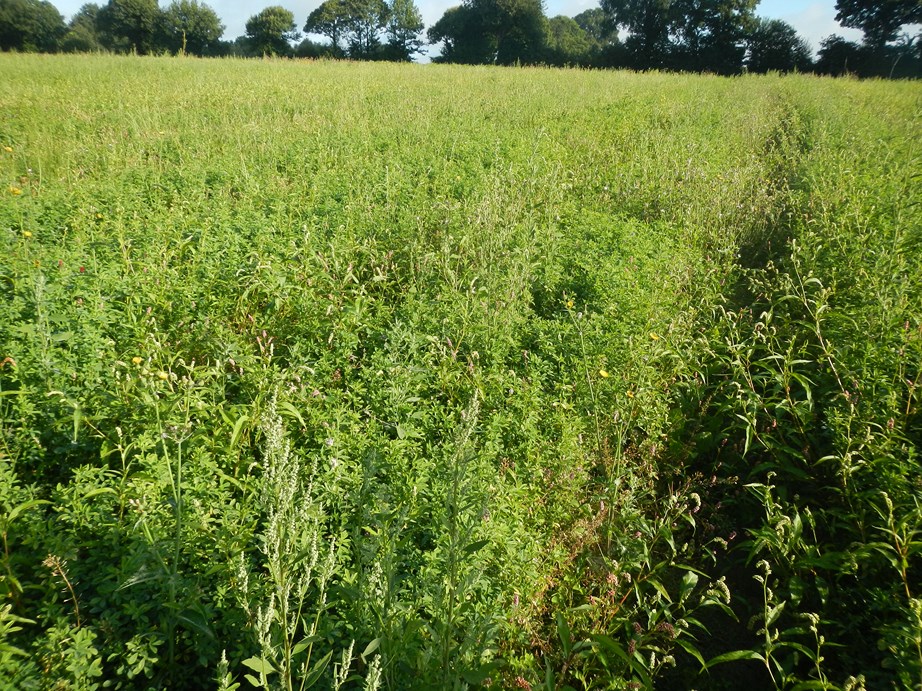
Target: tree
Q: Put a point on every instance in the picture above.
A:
(314, 50)
(711, 34)
(404, 25)
(366, 21)
(598, 26)
(775, 45)
(838, 56)
(463, 37)
(190, 27)
(126, 25)
(493, 31)
(880, 20)
(567, 42)
(330, 19)
(602, 35)
(519, 27)
(271, 31)
(648, 23)
(82, 35)
(30, 25)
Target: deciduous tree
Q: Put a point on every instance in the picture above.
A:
(463, 37)
(366, 21)
(404, 26)
(711, 34)
(82, 34)
(271, 32)
(493, 31)
(774, 45)
(191, 27)
(30, 25)
(330, 19)
(567, 42)
(880, 20)
(647, 23)
(127, 25)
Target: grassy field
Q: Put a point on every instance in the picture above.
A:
(401, 376)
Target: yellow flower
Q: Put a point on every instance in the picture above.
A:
(163, 375)
(8, 149)
(15, 191)
(26, 234)
(603, 374)
(654, 336)
(630, 394)
(569, 304)
(136, 360)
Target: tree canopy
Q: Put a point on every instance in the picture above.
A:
(271, 31)
(191, 27)
(30, 26)
(773, 45)
(880, 20)
(721, 36)
(129, 25)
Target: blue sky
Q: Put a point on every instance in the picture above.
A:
(813, 19)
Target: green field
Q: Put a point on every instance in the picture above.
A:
(412, 376)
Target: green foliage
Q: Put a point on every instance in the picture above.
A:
(503, 32)
(774, 45)
(271, 31)
(404, 26)
(190, 27)
(329, 19)
(82, 32)
(129, 25)
(568, 43)
(30, 26)
(879, 20)
(526, 389)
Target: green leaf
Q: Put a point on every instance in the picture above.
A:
(660, 588)
(733, 657)
(253, 680)
(196, 620)
(304, 644)
(258, 664)
(563, 630)
(774, 613)
(25, 506)
(608, 643)
(475, 547)
(238, 429)
(689, 581)
(691, 650)
(318, 669)
(370, 648)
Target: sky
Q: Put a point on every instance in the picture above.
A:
(813, 19)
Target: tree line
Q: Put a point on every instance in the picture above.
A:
(719, 36)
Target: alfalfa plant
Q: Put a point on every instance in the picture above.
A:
(285, 597)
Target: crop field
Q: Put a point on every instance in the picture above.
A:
(359, 376)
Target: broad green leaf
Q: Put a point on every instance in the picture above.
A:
(733, 657)
(370, 648)
(259, 665)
